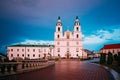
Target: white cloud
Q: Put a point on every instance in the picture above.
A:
(102, 36)
(37, 42)
(98, 37)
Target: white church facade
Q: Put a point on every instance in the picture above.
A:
(66, 45)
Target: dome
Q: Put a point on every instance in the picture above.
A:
(67, 34)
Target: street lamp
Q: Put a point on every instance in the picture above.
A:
(50, 51)
(82, 53)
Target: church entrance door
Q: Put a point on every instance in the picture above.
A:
(68, 55)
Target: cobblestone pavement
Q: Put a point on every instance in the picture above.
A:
(65, 70)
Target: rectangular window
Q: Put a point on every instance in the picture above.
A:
(28, 50)
(113, 51)
(28, 55)
(104, 51)
(11, 55)
(39, 55)
(17, 50)
(33, 55)
(117, 50)
(22, 55)
(17, 55)
(22, 50)
(33, 50)
(11, 50)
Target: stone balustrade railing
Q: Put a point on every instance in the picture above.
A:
(26, 65)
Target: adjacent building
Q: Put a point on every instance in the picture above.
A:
(29, 51)
(113, 48)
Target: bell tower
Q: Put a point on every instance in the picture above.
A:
(77, 25)
(77, 29)
(58, 32)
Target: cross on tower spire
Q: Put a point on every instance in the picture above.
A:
(77, 21)
(59, 21)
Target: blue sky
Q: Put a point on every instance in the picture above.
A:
(32, 21)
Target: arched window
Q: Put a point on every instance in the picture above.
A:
(77, 49)
(39, 50)
(67, 49)
(58, 50)
(59, 55)
(76, 54)
(58, 36)
(33, 55)
(39, 55)
(68, 36)
(11, 55)
(58, 28)
(77, 36)
(77, 29)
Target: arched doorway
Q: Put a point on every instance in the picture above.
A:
(68, 55)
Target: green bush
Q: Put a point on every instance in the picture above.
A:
(110, 58)
(9, 68)
(23, 66)
(119, 58)
(115, 57)
(102, 58)
(15, 67)
(3, 68)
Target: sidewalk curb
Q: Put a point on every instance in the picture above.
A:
(115, 75)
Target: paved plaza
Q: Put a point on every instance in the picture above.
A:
(65, 70)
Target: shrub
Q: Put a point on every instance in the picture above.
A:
(115, 57)
(23, 66)
(15, 67)
(110, 58)
(3, 68)
(119, 58)
(9, 68)
(102, 58)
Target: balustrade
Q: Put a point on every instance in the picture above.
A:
(8, 67)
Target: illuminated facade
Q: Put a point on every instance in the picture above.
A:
(29, 51)
(69, 44)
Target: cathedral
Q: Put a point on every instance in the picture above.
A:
(68, 44)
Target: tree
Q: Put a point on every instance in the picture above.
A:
(110, 58)
(102, 58)
(119, 58)
(115, 57)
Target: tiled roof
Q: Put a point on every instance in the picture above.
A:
(111, 46)
(88, 51)
(24, 45)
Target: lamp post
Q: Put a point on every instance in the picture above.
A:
(82, 53)
(50, 52)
